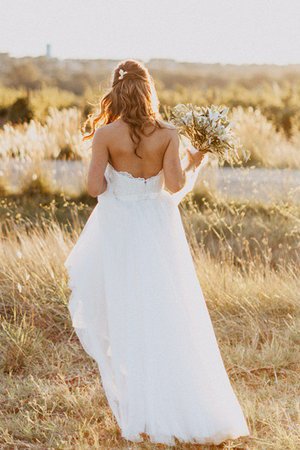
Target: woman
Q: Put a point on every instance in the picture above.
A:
(136, 304)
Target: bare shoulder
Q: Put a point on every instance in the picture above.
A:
(169, 131)
(104, 132)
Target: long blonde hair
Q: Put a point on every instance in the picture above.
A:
(133, 97)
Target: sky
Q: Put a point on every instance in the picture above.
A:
(208, 31)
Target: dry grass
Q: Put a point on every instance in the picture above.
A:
(267, 146)
(51, 395)
(29, 152)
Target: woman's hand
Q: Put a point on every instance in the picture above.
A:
(194, 159)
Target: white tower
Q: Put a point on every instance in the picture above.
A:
(48, 50)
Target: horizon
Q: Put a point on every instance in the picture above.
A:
(149, 60)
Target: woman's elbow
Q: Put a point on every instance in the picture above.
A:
(95, 189)
(175, 185)
(93, 192)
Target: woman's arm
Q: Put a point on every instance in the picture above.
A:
(173, 173)
(192, 160)
(177, 171)
(96, 181)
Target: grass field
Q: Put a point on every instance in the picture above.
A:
(247, 260)
(246, 251)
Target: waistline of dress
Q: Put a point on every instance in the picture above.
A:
(134, 196)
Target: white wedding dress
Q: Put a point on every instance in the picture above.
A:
(138, 310)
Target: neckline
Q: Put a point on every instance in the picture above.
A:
(129, 175)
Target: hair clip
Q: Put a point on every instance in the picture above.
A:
(121, 74)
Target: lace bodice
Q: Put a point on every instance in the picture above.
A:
(125, 186)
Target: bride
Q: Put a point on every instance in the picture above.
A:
(136, 304)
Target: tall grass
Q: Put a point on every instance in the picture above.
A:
(267, 146)
(32, 154)
(35, 141)
(50, 393)
(246, 255)
(28, 154)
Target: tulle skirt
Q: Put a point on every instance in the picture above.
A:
(138, 310)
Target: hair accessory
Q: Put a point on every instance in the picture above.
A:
(121, 74)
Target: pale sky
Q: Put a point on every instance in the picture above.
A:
(225, 31)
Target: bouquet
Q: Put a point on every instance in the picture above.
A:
(208, 129)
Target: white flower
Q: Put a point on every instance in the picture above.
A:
(206, 127)
(121, 74)
(188, 118)
(213, 115)
(224, 112)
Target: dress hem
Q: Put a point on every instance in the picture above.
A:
(171, 442)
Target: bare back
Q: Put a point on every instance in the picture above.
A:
(159, 150)
(151, 148)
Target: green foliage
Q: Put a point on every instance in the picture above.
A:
(39, 100)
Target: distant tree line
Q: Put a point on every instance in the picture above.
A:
(78, 75)
(31, 85)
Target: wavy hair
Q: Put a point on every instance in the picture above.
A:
(133, 97)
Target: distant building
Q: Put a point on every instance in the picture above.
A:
(48, 50)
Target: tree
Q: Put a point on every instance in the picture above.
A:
(25, 74)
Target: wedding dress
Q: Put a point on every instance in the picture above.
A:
(138, 310)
